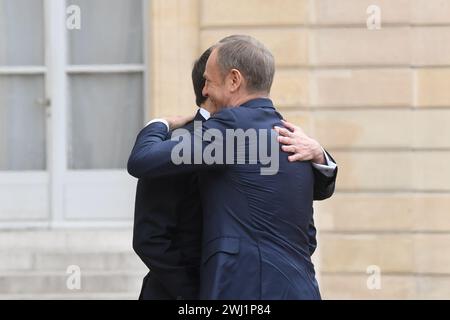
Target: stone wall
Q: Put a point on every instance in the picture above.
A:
(378, 100)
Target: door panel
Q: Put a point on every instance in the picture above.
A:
(24, 196)
(105, 115)
(24, 181)
(21, 32)
(111, 33)
(91, 195)
(80, 90)
(22, 123)
(105, 108)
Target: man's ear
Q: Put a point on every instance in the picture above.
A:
(235, 80)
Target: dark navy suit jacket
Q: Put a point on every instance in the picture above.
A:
(167, 233)
(257, 238)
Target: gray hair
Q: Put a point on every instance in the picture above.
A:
(250, 57)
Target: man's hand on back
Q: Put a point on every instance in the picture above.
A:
(295, 141)
(176, 122)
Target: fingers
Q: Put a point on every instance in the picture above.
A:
(290, 149)
(283, 132)
(291, 127)
(296, 157)
(286, 140)
(188, 119)
(185, 119)
(176, 122)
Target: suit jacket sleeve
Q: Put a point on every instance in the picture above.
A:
(324, 186)
(152, 155)
(312, 233)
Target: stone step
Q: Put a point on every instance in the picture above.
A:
(60, 260)
(73, 296)
(34, 264)
(71, 240)
(30, 283)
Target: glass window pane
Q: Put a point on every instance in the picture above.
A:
(21, 32)
(22, 123)
(106, 115)
(111, 32)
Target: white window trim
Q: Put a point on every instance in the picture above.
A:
(56, 71)
(119, 68)
(22, 70)
(56, 90)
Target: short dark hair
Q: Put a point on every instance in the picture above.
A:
(198, 79)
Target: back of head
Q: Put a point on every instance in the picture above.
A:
(251, 58)
(233, 37)
(197, 77)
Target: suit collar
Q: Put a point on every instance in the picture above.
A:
(205, 113)
(199, 116)
(259, 103)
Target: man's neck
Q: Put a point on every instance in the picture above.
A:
(207, 108)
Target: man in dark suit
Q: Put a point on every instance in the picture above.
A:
(167, 235)
(168, 222)
(168, 217)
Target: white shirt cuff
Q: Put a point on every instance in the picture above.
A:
(328, 168)
(159, 120)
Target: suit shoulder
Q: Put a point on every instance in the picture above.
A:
(225, 118)
(233, 115)
(224, 114)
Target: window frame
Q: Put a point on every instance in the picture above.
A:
(56, 71)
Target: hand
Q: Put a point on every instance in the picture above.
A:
(176, 122)
(297, 142)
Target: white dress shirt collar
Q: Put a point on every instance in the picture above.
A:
(205, 113)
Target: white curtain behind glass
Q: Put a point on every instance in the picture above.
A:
(106, 110)
(106, 115)
(111, 32)
(22, 123)
(21, 32)
(22, 120)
